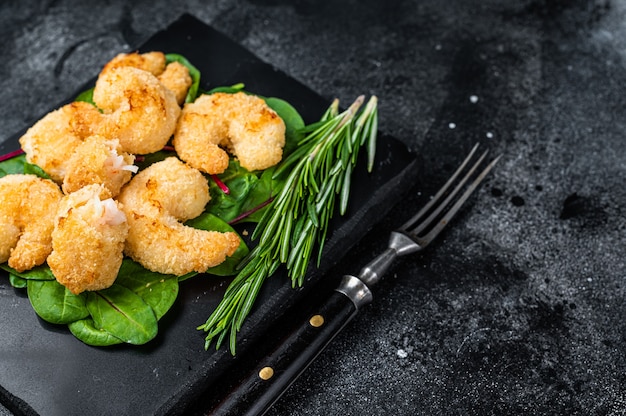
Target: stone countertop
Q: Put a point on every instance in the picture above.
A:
(519, 309)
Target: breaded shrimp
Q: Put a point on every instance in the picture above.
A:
(88, 240)
(156, 201)
(175, 76)
(28, 207)
(153, 62)
(138, 109)
(52, 139)
(242, 123)
(99, 161)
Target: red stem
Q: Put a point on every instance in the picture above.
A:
(11, 155)
(250, 212)
(221, 184)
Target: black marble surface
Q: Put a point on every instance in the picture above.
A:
(519, 308)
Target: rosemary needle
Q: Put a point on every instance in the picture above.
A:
(295, 223)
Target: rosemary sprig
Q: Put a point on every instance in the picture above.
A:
(295, 223)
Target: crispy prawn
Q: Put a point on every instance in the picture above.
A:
(50, 141)
(156, 202)
(138, 109)
(175, 76)
(242, 123)
(98, 161)
(177, 79)
(153, 62)
(27, 210)
(88, 240)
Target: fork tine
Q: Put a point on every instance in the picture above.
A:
(441, 224)
(439, 193)
(406, 241)
(424, 223)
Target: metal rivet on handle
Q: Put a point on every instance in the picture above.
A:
(266, 373)
(316, 321)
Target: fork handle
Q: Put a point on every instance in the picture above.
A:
(274, 373)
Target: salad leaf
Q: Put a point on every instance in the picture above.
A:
(241, 194)
(13, 165)
(42, 272)
(231, 89)
(17, 282)
(144, 161)
(86, 96)
(86, 331)
(18, 164)
(123, 314)
(157, 290)
(31, 169)
(54, 303)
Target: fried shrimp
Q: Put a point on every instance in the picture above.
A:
(27, 211)
(153, 62)
(156, 201)
(242, 123)
(88, 240)
(175, 76)
(98, 161)
(50, 141)
(138, 109)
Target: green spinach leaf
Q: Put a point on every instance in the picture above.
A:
(13, 165)
(42, 272)
(86, 331)
(19, 165)
(157, 290)
(86, 96)
(54, 303)
(17, 282)
(122, 313)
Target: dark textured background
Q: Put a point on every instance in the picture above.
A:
(520, 308)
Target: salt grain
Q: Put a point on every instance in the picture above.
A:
(452, 125)
(473, 99)
(489, 135)
(402, 354)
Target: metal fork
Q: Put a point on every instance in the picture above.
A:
(419, 231)
(275, 371)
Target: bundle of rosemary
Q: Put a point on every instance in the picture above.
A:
(295, 223)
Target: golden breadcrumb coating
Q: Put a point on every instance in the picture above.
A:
(88, 240)
(153, 62)
(27, 210)
(242, 123)
(155, 201)
(98, 161)
(176, 78)
(139, 111)
(52, 139)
